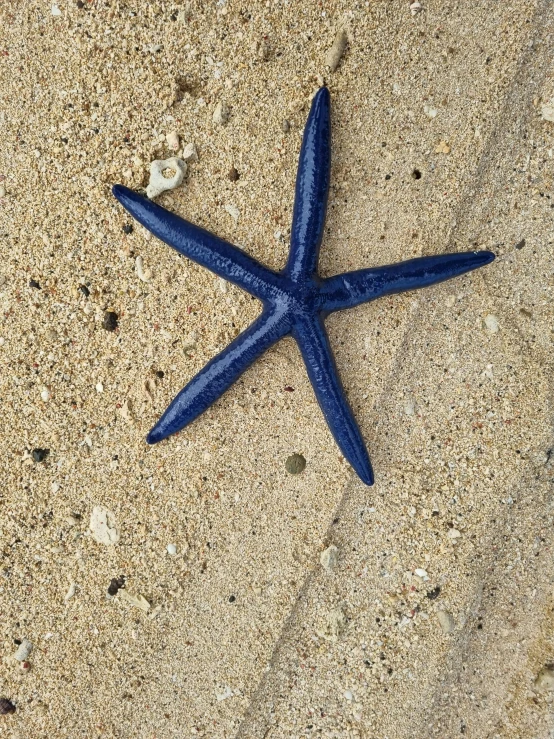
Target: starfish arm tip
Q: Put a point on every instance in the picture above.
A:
(155, 435)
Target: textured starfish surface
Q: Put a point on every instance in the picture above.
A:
(295, 300)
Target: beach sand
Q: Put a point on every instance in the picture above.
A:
(438, 618)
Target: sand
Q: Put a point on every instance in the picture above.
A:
(437, 619)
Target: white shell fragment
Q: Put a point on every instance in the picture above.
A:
(547, 111)
(329, 558)
(446, 620)
(138, 601)
(171, 549)
(416, 8)
(103, 526)
(491, 322)
(233, 211)
(23, 650)
(172, 140)
(334, 626)
(221, 114)
(143, 274)
(158, 183)
(545, 679)
(189, 153)
(333, 56)
(70, 592)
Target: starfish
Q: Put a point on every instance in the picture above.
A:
(295, 300)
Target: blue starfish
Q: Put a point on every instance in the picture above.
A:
(295, 300)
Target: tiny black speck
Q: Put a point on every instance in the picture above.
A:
(387, 176)
(520, 244)
(160, 374)
(84, 289)
(432, 594)
(232, 599)
(110, 320)
(128, 228)
(233, 174)
(35, 284)
(39, 455)
(80, 4)
(416, 174)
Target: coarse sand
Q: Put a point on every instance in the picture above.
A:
(180, 590)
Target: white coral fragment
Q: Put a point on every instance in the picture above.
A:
(158, 183)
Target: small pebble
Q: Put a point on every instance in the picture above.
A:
(545, 679)
(173, 140)
(221, 114)
(2, 191)
(128, 228)
(115, 584)
(446, 620)
(110, 320)
(333, 56)
(295, 464)
(520, 244)
(56, 11)
(453, 534)
(24, 666)
(189, 153)
(35, 284)
(491, 322)
(233, 175)
(45, 394)
(415, 8)
(39, 455)
(6, 706)
(285, 126)
(23, 650)
(420, 572)
(171, 549)
(70, 592)
(329, 558)
(233, 211)
(99, 387)
(429, 111)
(84, 289)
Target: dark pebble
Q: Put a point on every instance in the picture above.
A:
(285, 125)
(115, 584)
(35, 284)
(295, 464)
(520, 244)
(432, 594)
(416, 174)
(233, 174)
(39, 455)
(128, 228)
(6, 706)
(110, 320)
(232, 599)
(160, 374)
(80, 4)
(84, 289)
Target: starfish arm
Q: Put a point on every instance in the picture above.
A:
(317, 354)
(196, 243)
(219, 374)
(312, 187)
(352, 288)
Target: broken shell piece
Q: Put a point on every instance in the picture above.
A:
(416, 8)
(103, 526)
(138, 601)
(547, 111)
(158, 183)
(233, 211)
(173, 140)
(189, 153)
(333, 56)
(143, 274)
(24, 650)
(221, 114)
